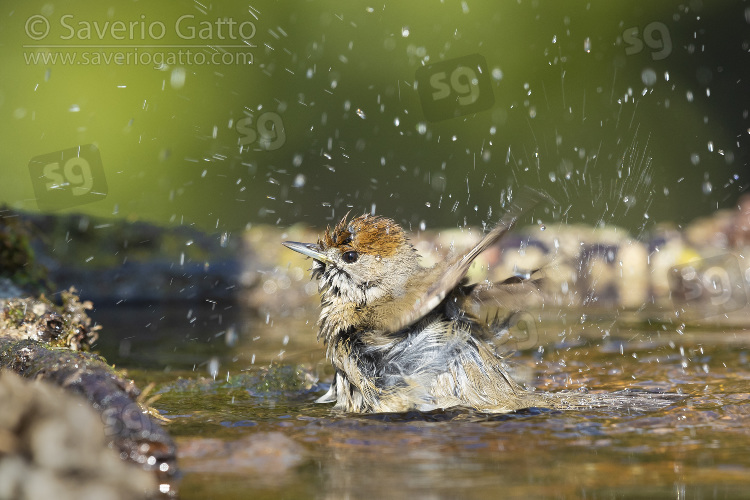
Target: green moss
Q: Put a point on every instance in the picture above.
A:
(66, 325)
(15, 314)
(17, 260)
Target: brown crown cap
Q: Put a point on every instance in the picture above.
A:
(368, 234)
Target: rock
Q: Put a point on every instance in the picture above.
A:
(53, 445)
(633, 281)
(265, 453)
(127, 426)
(65, 325)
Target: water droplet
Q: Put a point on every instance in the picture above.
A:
(299, 181)
(710, 146)
(405, 31)
(361, 114)
(689, 96)
(497, 73)
(74, 108)
(231, 337)
(396, 121)
(213, 367)
(587, 45)
(542, 227)
(648, 77)
(421, 128)
(695, 158)
(177, 78)
(422, 225)
(707, 187)
(552, 177)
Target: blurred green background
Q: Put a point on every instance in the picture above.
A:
(618, 109)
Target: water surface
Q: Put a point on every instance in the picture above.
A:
(254, 429)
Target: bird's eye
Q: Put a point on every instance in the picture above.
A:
(350, 257)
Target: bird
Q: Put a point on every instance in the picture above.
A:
(403, 337)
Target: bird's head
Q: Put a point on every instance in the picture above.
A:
(361, 260)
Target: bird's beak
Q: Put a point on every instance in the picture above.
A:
(309, 249)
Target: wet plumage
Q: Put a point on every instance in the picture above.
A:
(403, 337)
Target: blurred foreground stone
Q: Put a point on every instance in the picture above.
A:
(53, 445)
(43, 341)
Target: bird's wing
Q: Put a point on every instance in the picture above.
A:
(513, 294)
(456, 270)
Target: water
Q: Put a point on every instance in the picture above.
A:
(286, 446)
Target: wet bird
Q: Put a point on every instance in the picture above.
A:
(405, 337)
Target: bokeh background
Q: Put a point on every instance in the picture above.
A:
(627, 112)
